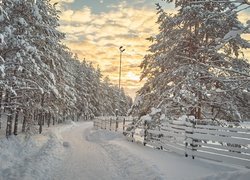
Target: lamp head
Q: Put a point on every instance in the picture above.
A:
(121, 49)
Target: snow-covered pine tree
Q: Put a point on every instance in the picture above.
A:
(196, 66)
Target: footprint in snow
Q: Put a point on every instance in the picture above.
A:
(66, 144)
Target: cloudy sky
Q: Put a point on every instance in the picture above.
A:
(95, 29)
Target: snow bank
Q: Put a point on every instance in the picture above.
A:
(33, 157)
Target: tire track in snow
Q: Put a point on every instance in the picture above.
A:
(127, 165)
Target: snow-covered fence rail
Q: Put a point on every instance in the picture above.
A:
(223, 144)
(170, 136)
(230, 145)
(113, 123)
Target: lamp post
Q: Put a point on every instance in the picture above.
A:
(121, 51)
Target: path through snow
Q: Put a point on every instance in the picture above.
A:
(78, 152)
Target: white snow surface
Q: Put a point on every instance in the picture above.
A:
(78, 152)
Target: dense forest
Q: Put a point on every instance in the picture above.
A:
(41, 80)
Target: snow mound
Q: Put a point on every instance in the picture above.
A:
(33, 157)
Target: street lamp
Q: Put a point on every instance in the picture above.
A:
(121, 51)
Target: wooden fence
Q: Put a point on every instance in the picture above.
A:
(216, 143)
(223, 144)
(112, 123)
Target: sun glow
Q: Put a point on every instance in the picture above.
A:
(97, 36)
(132, 76)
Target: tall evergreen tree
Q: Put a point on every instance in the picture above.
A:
(196, 66)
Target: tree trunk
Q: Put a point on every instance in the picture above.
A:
(9, 124)
(8, 127)
(53, 120)
(41, 120)
(64, 114)
(49, 116)
(16, 122)
(73, 115)
(36, 116)
(0, 118)
(1, 97)
(199, 106)
(24, 121)
(199, 113)
(78, 116)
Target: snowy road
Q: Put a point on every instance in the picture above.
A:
(78, 152)
(103, 155)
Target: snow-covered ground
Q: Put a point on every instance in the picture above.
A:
(78, 152)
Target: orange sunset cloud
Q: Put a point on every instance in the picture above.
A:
(97, 37)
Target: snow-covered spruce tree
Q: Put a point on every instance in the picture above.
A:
(196, 66)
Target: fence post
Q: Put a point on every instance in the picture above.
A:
(185, 140)
(145, 132)
(186, 143)
(192, 144)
